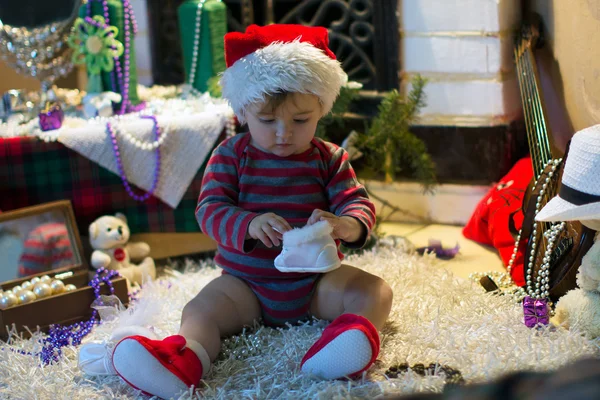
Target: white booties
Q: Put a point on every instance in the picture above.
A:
(309, 249)
(95, 358)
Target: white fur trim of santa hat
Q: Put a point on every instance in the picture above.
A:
(296, 67)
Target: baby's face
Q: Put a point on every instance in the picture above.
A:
(289, 128)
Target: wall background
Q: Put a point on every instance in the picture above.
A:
(570, 64)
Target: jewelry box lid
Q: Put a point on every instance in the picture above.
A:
(40, 240)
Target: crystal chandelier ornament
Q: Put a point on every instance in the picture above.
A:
(33, 38)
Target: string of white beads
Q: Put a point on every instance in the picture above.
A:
(148, 146)
(541, 286)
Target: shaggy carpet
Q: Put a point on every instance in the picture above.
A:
(436, 318)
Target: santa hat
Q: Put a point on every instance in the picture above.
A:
(280, 58)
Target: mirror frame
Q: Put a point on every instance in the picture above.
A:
(61, 205)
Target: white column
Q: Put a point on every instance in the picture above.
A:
(464, 49)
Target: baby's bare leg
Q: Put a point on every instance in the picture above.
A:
(222, 308)
(352, 290)
(358, 303)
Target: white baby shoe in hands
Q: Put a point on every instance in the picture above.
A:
(309, 249)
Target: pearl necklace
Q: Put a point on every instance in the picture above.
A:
(196, 47)
(230, 126)
(542, 282)
(190, 90)
(121, 170)
(148, 146)
(541, 287)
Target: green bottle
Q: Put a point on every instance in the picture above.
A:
(211, 52)
(116, 16)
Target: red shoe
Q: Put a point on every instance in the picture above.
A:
(347, 348)
(163, 368)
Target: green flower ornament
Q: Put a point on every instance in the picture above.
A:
(95, 44)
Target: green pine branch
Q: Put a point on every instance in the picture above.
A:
(336, 116)
(214, 87)
(390, 147)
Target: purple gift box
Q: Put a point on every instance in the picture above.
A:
(51, 117)
(535, 312)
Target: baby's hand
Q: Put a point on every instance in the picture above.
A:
(268, 228)
(345, 228)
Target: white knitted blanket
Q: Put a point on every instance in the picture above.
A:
(192, 131)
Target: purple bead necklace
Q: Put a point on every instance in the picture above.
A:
(72, 335)
(117, 153)
(122, 77)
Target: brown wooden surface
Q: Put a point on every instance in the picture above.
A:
(166, 245)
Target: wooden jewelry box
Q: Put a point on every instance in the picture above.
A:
(43, 243)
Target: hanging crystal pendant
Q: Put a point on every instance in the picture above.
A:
(38, 51)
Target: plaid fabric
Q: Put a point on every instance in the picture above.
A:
(34, 172)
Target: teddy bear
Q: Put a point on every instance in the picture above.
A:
(580, 308)
(109, 237)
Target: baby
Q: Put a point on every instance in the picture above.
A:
(281, 79)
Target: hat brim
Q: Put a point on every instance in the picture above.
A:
(558, 209)
(296, 67)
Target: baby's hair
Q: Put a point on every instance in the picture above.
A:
(276, 99)
(273, 101)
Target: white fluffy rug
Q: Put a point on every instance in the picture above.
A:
(436, 317)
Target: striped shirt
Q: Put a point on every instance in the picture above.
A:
(47, 247)
(242, 181)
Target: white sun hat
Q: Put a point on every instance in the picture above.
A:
(579, 195)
